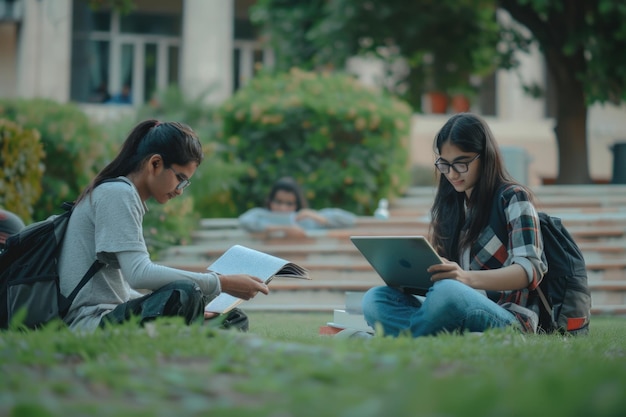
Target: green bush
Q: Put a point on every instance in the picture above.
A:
(75, 148)
(345, 143)
(169, 224)
(21, 170)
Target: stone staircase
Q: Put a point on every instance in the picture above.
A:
(595, 215)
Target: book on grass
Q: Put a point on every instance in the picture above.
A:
(242, 260)
(343, 319)
(354, 301)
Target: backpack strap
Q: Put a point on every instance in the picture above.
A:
(67, 302)
(501, 232)
(499, 227)
(545, 302)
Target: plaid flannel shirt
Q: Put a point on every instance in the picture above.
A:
(524, 246)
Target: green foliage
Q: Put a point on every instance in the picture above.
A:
(75, 148)
(345, 143)
(583, 46)
(21, 170)
(447, 42)
(169, 224)
(443, 42)
(288, 23)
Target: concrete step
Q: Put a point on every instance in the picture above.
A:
(607, 283)
(609, 269)
(595, 215)
(229, 237)
(571, 217)
(555, 199)
(594, 251)
(606, 293)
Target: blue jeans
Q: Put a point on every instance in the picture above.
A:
(449, 306)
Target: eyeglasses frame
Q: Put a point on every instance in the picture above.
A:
(183, 182)
(438, 163)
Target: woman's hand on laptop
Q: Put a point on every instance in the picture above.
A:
(448, 270)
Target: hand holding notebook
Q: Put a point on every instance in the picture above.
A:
(242, 260)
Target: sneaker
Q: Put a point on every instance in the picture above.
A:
(354, 334)
(528, 319)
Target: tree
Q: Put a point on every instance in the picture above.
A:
(583, 43)
(450, 40)
(389, 29)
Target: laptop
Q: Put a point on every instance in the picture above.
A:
(401, 261)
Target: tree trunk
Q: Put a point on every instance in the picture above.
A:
(571, 121)
(565, 67)
(571, 137)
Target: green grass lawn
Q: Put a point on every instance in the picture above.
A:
(282, 367)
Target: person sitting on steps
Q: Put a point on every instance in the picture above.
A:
(286, 213)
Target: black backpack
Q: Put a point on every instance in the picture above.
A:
(29, 280)
(563, 299)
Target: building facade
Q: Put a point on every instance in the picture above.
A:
(65, 51)
(107, 62)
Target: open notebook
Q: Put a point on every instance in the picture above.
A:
(242, 260)
(401, 261)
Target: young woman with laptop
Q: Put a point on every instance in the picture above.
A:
(483, 282)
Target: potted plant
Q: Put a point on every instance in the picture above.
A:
(438, 102)
(447, 84)
(461, 98)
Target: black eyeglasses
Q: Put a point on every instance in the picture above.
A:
(459, 167)
(284, 203)
(184, 182)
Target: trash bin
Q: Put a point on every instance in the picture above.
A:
(619, 162)
(516, 161)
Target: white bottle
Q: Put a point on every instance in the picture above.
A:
(382, 212)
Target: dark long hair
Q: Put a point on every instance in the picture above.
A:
(470, 133)
(177, 144)
(289, 185)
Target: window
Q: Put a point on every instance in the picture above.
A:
(123, 59)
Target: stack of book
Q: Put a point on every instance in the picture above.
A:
(351, 317)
